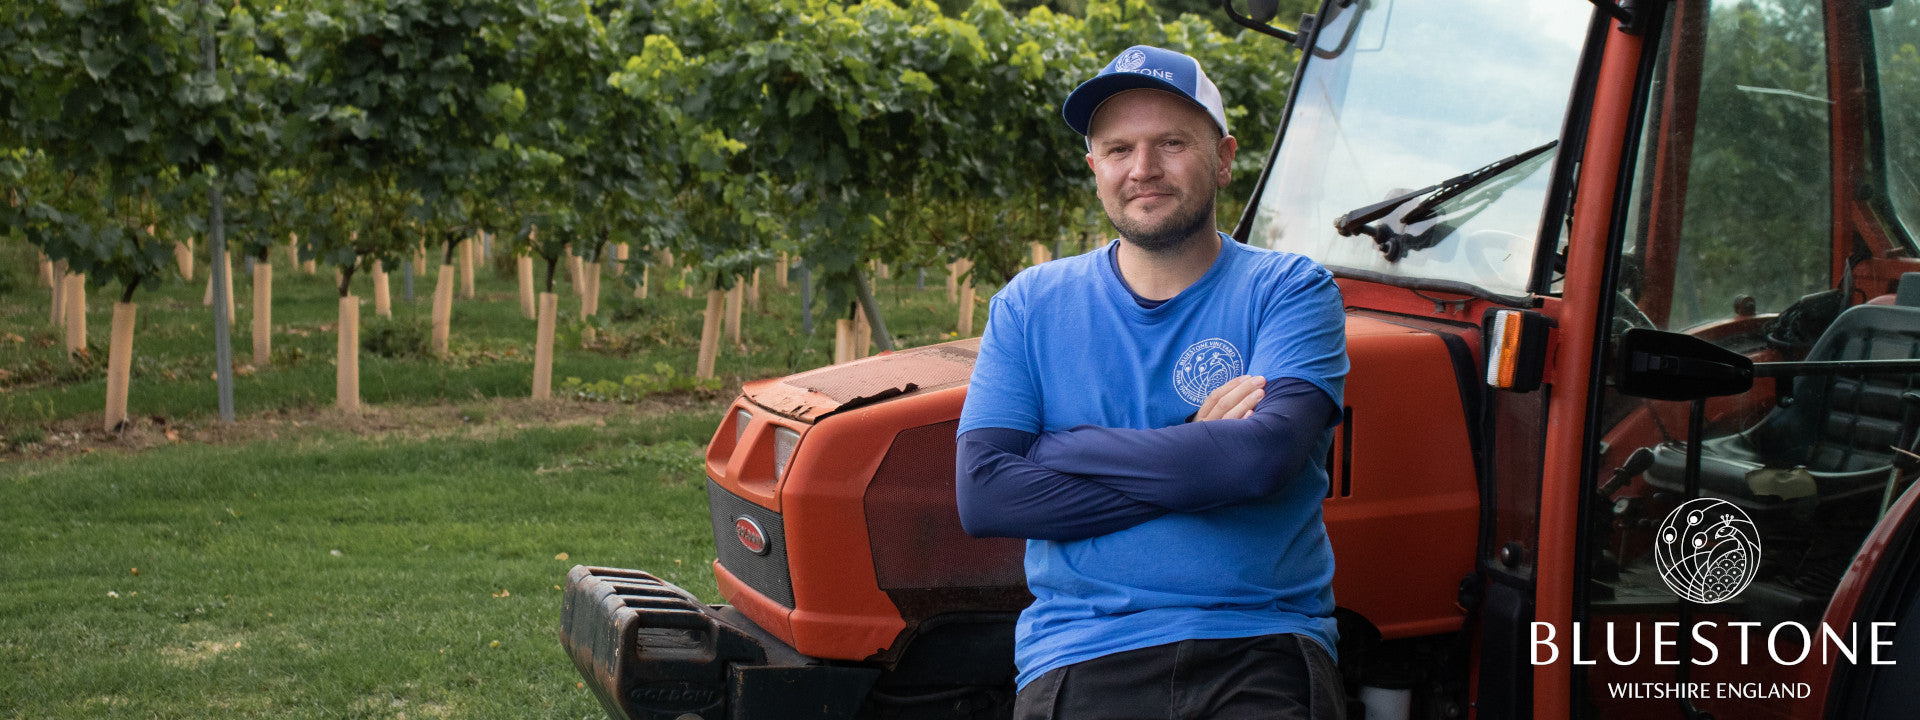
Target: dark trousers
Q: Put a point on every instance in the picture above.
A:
(1271, 677)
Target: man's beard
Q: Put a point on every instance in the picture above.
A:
(1173, 233)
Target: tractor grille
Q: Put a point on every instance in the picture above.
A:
(766, 574)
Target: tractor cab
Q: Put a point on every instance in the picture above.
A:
(1678, 233)
(1770, 211)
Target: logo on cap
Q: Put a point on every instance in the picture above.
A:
(1176, 73)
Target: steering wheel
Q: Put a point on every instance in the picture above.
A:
(1627, 315)
(1796, 328)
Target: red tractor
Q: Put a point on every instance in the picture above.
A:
(1630, 424)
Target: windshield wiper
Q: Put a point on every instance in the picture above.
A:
(1396, 245)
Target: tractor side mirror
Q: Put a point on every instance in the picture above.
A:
(1672, 366)
(1262, 11)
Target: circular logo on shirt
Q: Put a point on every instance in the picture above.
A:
(1707, 550)
(1204, 367)
(1131, 61)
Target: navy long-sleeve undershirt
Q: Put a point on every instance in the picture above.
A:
(1089, 481)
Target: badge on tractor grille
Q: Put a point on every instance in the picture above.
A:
(750, 535)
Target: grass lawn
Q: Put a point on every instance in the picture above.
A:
(327, 574)
(401, 561)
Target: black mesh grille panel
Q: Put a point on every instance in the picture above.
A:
(914, 524)
(766, 574)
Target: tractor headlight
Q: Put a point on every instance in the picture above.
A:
(784, 441)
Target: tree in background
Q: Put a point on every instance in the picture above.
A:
(402, 102)
(126, 117)
(724, 131)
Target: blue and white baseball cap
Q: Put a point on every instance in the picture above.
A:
(1144, 66)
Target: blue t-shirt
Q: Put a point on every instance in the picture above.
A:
(1066, 345)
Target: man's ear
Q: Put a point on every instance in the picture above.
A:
(1226, 149)
(1090, 162)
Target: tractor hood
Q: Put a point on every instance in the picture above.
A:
(815, 394)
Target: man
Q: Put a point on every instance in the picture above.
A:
(1152, 416)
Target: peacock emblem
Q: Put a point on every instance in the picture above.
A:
(1707, 551)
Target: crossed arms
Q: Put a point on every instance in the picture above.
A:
(1068, 485)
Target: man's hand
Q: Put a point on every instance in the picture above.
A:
(1233, 400)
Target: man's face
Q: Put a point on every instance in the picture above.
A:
(1157, 161)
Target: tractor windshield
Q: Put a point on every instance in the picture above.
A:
(1896, 55)
(1399, 95)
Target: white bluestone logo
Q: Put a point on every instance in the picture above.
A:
(1707, 550)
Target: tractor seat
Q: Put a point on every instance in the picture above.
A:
(1830, 437)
